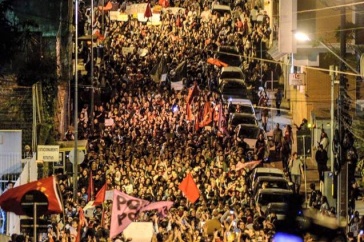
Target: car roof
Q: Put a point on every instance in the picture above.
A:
(231, 69)
(228, 49)
(240, 101)
(248, 126)
(243, 115)
(268, 170)
(228, 80)
(275, 190)
(270, 178)
(277, 205)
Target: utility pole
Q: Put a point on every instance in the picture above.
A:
(342, 198)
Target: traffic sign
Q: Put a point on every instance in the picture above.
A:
(80, 156)
(297, 79)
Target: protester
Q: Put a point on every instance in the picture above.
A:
(145, 136)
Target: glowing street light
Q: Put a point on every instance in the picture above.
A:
(302, 36)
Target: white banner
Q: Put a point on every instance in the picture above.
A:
(155, 19)
(136, 8)
(117, 16)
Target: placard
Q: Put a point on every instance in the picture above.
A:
(114, 15)
(139, 231)
(127, 50)
(109, 122)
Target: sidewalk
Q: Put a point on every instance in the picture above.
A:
(285, 119)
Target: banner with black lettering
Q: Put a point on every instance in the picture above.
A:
(124, 211)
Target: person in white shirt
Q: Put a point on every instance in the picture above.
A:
(206, 15)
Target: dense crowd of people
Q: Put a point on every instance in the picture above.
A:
(144, 136)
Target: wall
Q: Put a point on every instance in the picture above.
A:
(10, 151)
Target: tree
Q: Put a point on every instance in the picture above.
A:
(9, 33)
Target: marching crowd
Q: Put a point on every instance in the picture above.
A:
(144, 136)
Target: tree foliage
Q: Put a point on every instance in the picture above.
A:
(9, 34)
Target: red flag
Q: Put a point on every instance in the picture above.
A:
(164, 3)
(100, 196)
(148, 11)
(192, 92)
(207, 114)
(82, 222)
(10, 200)
(107, 7)
(189, 115)
(189, 188)
(197, 121)
(90, 188)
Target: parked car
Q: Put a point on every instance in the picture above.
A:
(236, 105)
(250, 132)
(231, 72)
(265, 171)
(222, 9)
(233, 88)
(270, 182)
(271, 195)
(242, 118)
(229, 55)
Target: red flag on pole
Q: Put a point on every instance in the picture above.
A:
(189, 188)
(90, 188)
(148, 11)
(10, 200)
(100, 196)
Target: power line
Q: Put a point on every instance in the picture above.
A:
(332, 7)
